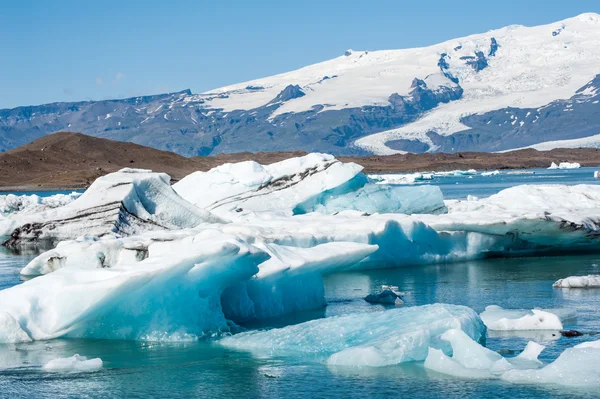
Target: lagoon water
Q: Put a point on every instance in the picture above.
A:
(204, 369)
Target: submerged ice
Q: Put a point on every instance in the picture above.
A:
(365, 339)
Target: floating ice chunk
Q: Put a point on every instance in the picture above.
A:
(364, 339)
(469, 172)
(11, 204)
(469, 359)
(136, 300)
(497, 318)
(565, 165)
(10, 330)
(250, 187)
(409, 178)
(590, 281)
(126, 203)
(531, 352)
(73, 364)
(578, 367)
(492, 173)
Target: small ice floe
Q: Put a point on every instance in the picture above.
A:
(73, 364)
(565, 165)
(597, 174)
(590, 281)
(578, 366)
(498, 319)
(492, 173)
(389, 295)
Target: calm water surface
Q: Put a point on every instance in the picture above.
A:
(203, 369)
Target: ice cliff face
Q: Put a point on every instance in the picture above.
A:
(508, 88)
(123, 203)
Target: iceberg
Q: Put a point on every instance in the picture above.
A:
(396, 179)
(364, 339)
(313, 183)
(73, 364)
(11, 203)
(499, 319)
(124, 203)
(565, 165)
(143, 287)
(590, 281)
(147, 299)
(492, 173)
(244, 187)
(577, 367)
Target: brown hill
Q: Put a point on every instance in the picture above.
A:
(73, 160)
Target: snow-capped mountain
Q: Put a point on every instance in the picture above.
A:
(508, 88)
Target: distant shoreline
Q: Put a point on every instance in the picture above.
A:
(72, 161)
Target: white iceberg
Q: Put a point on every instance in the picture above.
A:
(577, 367)
(315, 182)
(491, 173)
(364, 339)
(565, 165)
(398, 179)
(126, 202)
(499, 319)
(590, 281)
(11, 203)
(73, 364)
(250, 187)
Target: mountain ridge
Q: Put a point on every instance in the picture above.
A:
(508, 88)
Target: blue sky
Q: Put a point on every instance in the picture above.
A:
(77, 50)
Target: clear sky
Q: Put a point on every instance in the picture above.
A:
(63, 50)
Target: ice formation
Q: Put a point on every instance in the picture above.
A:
(131, 238)
(128, 301)
(577, 366)
(364, 339)
(565, 165)
(10, 203)
(492, 173)
(126, 202)
(499, 319)
(73, 364)
(591, 281)
(315, 182)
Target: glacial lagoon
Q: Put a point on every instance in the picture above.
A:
(207, 369)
